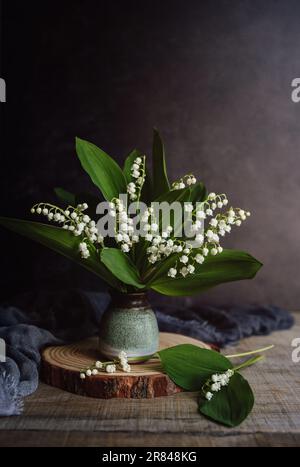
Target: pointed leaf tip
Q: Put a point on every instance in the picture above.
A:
(103, 170)
(160, 178)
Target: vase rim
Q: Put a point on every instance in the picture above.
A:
(128, 294)
(124, 300)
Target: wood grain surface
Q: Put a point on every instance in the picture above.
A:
(61, 366)
(53, 417)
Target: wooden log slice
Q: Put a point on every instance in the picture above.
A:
(61, 366)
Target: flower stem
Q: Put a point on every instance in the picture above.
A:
(141, 359)
(249, 362)
(251, 352)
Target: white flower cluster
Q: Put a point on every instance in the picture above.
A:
(123, 362)
(185, 181)
(138, 174)
(161, 245)
(221, 223)
(84, 251)
(109, 367)
(186, 262)
(208, 241)
(74, 220)
(216, 382)
(124, 230)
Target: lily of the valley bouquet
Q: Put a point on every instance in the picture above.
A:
(142, 233)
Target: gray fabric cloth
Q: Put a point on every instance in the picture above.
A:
(53, 318)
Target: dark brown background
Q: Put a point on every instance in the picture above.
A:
(213, 76)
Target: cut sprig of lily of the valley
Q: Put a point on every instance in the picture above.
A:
(160, 259)
(225, 396)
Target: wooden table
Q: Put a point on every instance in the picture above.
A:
(53, 417)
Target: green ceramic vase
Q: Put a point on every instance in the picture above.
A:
(129, 324)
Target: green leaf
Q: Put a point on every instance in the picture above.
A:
(160, 179)
(174, 195)
(232, 404)
(146, 195)
(230, 265)
(121, 266)
(65, 196)
(198, 193)
(190, 366)
(103, 170)
(62, 242)
(160, 270)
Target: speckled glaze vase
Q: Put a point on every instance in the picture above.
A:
(129, 324)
